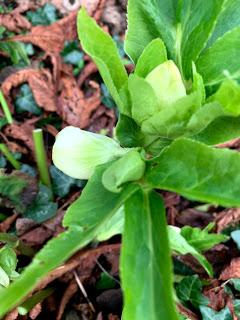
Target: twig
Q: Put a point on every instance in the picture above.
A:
(81, 287)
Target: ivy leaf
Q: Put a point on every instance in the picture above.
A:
(200, 239)
(190, 289)
(61, 183)
(236, 305)
(42, 207)
(210, 314)
(236, 283)
(45, 15)
(72, 54)
(3, 162)
(15, 50)
(235, 235)
(26, 102)
(17, 190)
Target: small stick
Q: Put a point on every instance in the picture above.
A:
(81, 287)
(41, 157)
(6, 152)
(5, 108)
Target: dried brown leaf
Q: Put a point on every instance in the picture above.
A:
(6, 224)
(226, 218)
(73, 107)
(89, 69)
(14, 21)
(36, 236)
(21, 133)
(231, 271)
(51, 38)
(41, 83)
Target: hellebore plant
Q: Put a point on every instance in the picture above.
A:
(182, 99)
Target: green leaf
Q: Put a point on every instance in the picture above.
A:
(146, 271)
(190, 289)
(105, 282)
(205, 174)
(235, 235)
(72, 54)
(16, 189)
(26, 102)
(236, 305)
(128, 132)
(128, 168)
(201, 240)
(8, 260)
(236, 283)
(153, 55)
(220, 130)
(61, 183)
(45, 15)
(180, 245)
(171, 122)
(142, 95)
(222, 55)
(112, 226)
(4, 279)
(83, 211)
(42, 207)
(184, 26)
(102, 49)
(15, 50)
(210, 314)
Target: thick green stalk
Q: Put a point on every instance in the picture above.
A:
(6, 152)
(5, 108)
(41, 157)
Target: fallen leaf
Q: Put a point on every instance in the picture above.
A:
(73, 107)
(89, 69)
(21, 133)
(14, 21)
(231, 271)
(229, 217)
(23, 225)
(41, 83)
(51, 38)
(36, 236)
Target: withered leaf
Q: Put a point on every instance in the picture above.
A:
(73, 107)
(232, 271)
(40, 81)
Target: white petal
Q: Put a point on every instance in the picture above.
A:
(77, 152)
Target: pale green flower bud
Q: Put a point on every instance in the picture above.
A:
(77, 152)
(167, 83)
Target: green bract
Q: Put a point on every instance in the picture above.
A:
(77, 152)
(182, 98)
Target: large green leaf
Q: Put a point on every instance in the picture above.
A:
(146, 270)
(102, 49)
(198, 172)
(221, 56)
(184, 26)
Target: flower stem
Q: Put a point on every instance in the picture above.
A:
(41, 157)
(6, 152)
(5, 108)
